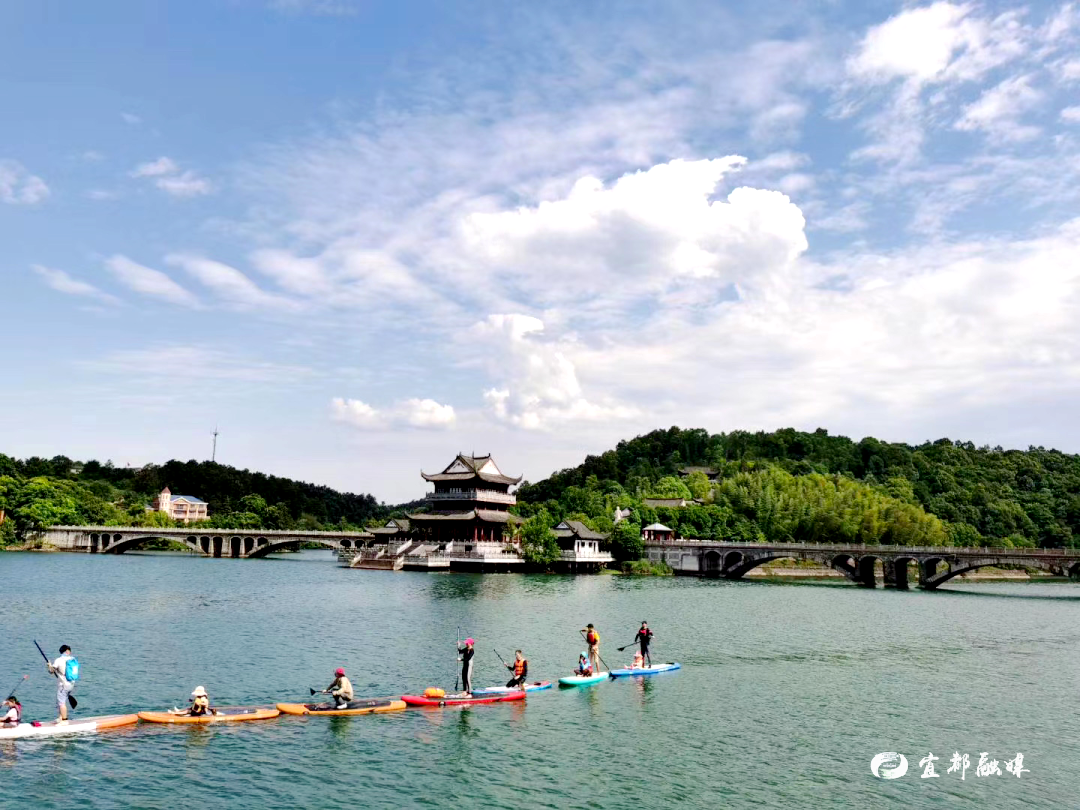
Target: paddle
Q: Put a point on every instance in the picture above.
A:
(631, 644)
(317, 691)
(457, 646)
(602, 661)
(501, 659)
(12, 690)
(71, 698)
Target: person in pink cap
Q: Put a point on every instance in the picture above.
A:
(341, 689)
(467, 652)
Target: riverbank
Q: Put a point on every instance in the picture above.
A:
(982, 575)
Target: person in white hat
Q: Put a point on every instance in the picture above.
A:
(200, 703)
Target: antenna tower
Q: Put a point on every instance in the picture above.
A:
(213, 453)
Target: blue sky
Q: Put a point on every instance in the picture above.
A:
(361, 237)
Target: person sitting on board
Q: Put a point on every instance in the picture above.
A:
(66, 670)
(592, 638)
(341, 689)
(12, 713)
(644, 638)
(639, 662)
(467, 652)
(200, 703)
(584, 665)
(520, 668)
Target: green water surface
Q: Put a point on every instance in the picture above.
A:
(786, 693)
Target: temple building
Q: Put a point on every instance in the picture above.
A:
(468, 509)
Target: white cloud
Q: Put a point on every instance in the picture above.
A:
(156, 168)
(1071, 115)
(322, 8)
(148, 281)
(539, 387)
(918, 44)
(130, 118)
(101, 194)
(64, 283)
(414, 413)
(18, 186)
(169, 178)
(998, 110)
(229, 283)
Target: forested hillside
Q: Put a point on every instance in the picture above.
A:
(790, 485)
(42, 492)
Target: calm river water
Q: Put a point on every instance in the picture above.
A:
(787, 691)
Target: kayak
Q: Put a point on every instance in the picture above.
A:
(505, 690)
(454, 700)
(85, 725)
(583, 680)
(226, 714)
(368, 706)
(670, 666)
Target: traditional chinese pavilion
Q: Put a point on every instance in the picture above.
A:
(467, 509)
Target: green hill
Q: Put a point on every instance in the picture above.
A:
(40, 492)
(794, 486)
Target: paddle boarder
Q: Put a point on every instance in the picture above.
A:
(12, 712)
(66, 670)
(467, 652)
(341, 689)
(644, 638)
(200, 703)
(592, 638)
(520, 668)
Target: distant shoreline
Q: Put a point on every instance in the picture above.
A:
(825, 573)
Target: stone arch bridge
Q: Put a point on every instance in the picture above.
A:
(235, 543)
(933, 565)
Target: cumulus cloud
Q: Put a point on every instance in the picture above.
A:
(18, 186)
(643, 234)
(414, 413)
(539, 387)
(168, 177)
(64, 283)
(149, 281)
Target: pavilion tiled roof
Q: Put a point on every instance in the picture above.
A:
(669, 502)
(485, 515)
(571, 528)
(466, 468)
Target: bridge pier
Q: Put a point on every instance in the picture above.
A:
(896, 574)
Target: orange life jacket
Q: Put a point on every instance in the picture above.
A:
(519, 667)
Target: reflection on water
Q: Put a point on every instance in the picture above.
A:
(785, 695)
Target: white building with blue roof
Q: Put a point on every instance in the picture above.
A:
(180, 507)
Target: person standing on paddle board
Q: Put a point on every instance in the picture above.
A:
(644, 638)
(520, 668)
(341, 689)
(66, 670)
(592, 638)
(467, 652)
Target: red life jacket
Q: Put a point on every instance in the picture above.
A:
(591, 637)
(519, 667)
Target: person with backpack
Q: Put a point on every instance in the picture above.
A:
(592, 638)
(12, 713)
(66, 670)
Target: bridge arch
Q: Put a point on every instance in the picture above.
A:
(711, 563)
(271, 546)
(118, 544)
(938, 579)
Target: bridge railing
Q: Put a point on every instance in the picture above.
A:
(188, 531)
(862, 548)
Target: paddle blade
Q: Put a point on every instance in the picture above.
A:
(313, 692)
(74, 703)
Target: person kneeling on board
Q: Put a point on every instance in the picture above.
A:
(341, 689)
(520, 668)
(584, 665)
(12, 713)
(639, 662)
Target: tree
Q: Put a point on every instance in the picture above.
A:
(538, 543)
(670, 487)
(626, 543)
(698, 484)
